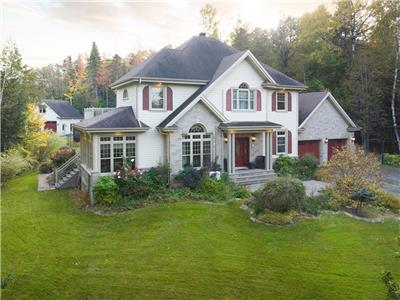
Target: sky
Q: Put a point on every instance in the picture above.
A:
(46, 32)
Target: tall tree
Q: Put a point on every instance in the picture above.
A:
(240, 36)
(92, 69)
(209, 20)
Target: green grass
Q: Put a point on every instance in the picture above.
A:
(53, 250)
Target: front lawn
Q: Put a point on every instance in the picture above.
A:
(52, 250)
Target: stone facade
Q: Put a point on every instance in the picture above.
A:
(328, 123)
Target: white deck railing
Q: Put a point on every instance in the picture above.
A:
(95, 111)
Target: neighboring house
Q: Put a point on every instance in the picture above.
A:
(59, 116)
(323, 126)
(200, 103)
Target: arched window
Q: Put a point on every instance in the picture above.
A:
(196, 147)
(243, 97)
(125, 95)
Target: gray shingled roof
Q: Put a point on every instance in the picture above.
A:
(197, 59)
(63, 109)
(308, 102)
(121, 117)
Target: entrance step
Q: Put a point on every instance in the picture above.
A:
(251, 176)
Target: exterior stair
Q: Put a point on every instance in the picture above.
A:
(68, 175)
(249, 177)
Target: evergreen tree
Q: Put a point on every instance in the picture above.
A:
(93, 66)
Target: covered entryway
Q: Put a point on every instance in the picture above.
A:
(242, 151)
(309, 147)
(334, 144)
(51, 125)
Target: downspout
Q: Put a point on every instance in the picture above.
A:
(137, 100)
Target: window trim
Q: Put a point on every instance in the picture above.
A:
(254, 109)
(286, 102)
(164, 90)
(127, 95)
(42, 109)
(111, 142)
(190, 140)
(286, 141)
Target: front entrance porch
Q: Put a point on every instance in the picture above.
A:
(248, 145)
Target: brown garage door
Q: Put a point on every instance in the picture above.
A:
(51, 125)
(335, 144)
(309, 147)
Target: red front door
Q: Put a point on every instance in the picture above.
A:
(241, 151)
(335, 144)
(51, 125)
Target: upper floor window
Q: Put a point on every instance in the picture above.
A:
(125, 95)
(157, 100)
(281, 142)
(243, 98)
(42, 109)
(281, 101)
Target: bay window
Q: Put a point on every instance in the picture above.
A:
(281, 142)
(196, 147)
(243, 98)
(113, 151)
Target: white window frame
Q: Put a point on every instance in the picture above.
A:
(63, 126)
(111, 142)
(281, 133)
(42, 109)
(151, 98)
(286, 101)
(189, 138)
(237, 90)
(127, 95)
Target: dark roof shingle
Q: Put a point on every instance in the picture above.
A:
(63, 109)
(308, 102)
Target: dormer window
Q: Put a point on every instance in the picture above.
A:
(281, 101)
(243, 97)
(125, 95)
(157, 100)
(42, 109)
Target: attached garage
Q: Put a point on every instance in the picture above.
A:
(323, 126)
(309, 147)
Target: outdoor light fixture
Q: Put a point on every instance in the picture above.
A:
(253, 138)
(225, 139)
(326, 141)
(353, 139)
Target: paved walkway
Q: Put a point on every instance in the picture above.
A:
(43, 184)
(391, 179)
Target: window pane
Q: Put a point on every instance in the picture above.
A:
(196, 147)
(196, 160)
(185, 148)
(234, 104)
(243, 104)
(281, 105)
(157, 97)
(185, 161)
(243, 95)
(105, 139)
(105, 165)
(118, 138)
(281, 148)
(118, 163)
(130, 150)
(130, 138)
(206, 160)
(105, 151)
(281, 101)
(206, 147)
(118, 150)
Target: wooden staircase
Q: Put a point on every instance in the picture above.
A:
(247, 177)
(68, 175)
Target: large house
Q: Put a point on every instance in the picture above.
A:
(199, 103)
(59, 116)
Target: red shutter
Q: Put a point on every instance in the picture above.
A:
(146, 98)
(274, 142)
(289, 101)
(229, 100)
(274, 101)
(170, 104)
(258, 100)
(289, 136)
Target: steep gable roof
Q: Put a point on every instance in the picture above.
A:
(198, 59)
(308, 102)
(63, 109)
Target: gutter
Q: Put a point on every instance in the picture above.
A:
(287, 87)
(155, 79)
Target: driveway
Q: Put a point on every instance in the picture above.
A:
(391, 179)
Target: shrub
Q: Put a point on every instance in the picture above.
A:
(387, 200)
(306, 167)
(239, 191)
(214, 189)
(276, 218)
(62, 155)
(315, 204)
(13, 163)
(158, 176)
(362, 195)
(392, 286)
(105, 191)
(351, 169)
(46, 167)
(391, 159)
(282, 194)
(190, 177)
(285, 165)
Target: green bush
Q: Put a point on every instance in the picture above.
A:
(282, 194)
(315, 204)
(105, 191)
(391, 159)
(190, 177)
(46, 167)
(387, 200)
(62, 155)
(14, 163)
(158, 176)
(306, 167)
(239, 191)
(285, 166)
(277, 218)
(214, 189)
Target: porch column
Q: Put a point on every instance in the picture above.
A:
(233, 153)
(270, 150)
(264, 145)
(229, 153)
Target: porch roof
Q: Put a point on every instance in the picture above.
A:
(120, 119)
(249, 126)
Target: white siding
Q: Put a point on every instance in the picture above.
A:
(51, 116)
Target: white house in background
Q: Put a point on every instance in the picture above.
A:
(323, 125)
(59, 116)
(201, 102)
